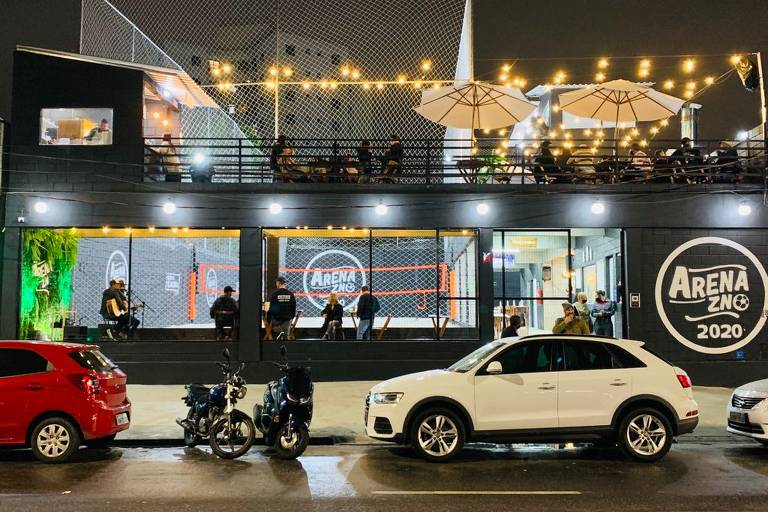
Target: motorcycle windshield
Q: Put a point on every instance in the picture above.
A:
(299, 382)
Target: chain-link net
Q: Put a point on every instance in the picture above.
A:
(313, 39)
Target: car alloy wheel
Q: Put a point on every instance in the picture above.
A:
(53, 440)
(438, 435)
(646, 435)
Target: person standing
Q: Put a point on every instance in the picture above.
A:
(282, 309)
(602, 311)
(570, 322)
(223, 312)
(583, 309)
(367, 307)
(510, 331)
(333, 313)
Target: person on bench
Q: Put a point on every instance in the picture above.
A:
(333, 313)
(224, 312)
(367, 307)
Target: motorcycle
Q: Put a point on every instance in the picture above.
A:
(285, 416)
(212, 414)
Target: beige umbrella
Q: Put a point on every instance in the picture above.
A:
(475, 106)
(620, 101)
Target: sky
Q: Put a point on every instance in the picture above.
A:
(536, 38)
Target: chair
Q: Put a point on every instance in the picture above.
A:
(292, 328)
(383, 329)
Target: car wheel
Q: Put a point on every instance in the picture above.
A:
(437, 435)
(55, 440)
(101, 442)
(645, 435)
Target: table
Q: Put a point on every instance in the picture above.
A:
(468, 169)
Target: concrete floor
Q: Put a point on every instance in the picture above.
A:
(695, 476)
(338, 410)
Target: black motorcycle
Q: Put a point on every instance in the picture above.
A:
(287, 411)
(212, 414)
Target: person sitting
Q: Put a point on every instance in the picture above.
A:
(564, 170)
(662, 169)
(570, 322)
(582, 161)
(544, 163)
(364, 159)
(686, 158)
(100, 134)
(639, 161)
(224, 313)
(510, 331)
(333, 313)
(277, 150)
(170, 159)
(115, 308)
(727, 168)
(392, 161)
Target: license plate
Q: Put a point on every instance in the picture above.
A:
(122, 418)
(738, 417)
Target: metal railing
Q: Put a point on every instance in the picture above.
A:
(427, 162)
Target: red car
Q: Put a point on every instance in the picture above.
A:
(56, 396)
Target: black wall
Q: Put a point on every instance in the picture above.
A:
(41, 81)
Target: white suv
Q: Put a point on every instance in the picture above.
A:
(748, 411)
(539, 389)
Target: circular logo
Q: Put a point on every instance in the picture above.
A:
(212, 284)
(333, 271)
(117, 267)
(707, 295)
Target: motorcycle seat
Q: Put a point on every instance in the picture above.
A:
(198, 389)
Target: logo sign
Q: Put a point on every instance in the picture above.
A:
(714, 307)
(117, 267)
(333, 271)
(173, 283)
(634, 300)
(212, 283)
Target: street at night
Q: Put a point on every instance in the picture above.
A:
(704, 474)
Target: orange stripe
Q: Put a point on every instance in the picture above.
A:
(192, 306)
(454, 304)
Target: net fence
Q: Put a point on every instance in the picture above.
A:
(306, 41)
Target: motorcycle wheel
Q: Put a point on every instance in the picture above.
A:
(289, 447)
(232, 437)
(191, 439)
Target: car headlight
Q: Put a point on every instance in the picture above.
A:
(386, 398)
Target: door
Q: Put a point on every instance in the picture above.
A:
(524, 395)
(591, 384)
(24, 377)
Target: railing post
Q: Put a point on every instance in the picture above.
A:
(239, 160)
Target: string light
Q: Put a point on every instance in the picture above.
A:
(345, 71)
(690, 85)
(600, 77)
(664, 122)
(355, 74)
(709, 80)
(401, 79)
(226, 68)
(380, 86)
(366, 86)
(287, 72)
(305, 86)
(560, 77)
(645, 64)
(602, 63)
(273, 71)
(689, 65)
(669, 85)
(688, 94)
(555, 108)
(426, 65)
(506, 68)
(736, 59)
(654, 130)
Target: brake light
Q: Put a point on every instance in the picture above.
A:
(684, 380)
(87, 384)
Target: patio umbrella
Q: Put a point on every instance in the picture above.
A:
(620, 101)
(475, 106)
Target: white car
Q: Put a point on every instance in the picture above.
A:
(748, 411)
(543, 388)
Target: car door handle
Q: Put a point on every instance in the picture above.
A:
(547, 386)
(35, 387)
(618, 383)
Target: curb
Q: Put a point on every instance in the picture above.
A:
(178, 443)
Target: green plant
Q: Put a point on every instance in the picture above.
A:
(47, 259)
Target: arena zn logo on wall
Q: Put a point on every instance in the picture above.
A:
(117, 267)
(712, 295)
(333, 271)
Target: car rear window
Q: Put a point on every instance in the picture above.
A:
(93, 360)
(623, 358)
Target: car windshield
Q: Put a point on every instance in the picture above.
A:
(470, 361)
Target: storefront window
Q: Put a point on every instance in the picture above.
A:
(423, 280)
(76, 126)
(171, 275)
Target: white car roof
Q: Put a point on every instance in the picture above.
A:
(585, 337)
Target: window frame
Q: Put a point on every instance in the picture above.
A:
(111, 119)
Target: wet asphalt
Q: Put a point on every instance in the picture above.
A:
(722, 474)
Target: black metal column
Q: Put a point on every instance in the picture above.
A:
(10, 286)
(485, 281)
(250, 294)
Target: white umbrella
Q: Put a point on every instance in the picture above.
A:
(475, 106)
(620, 101)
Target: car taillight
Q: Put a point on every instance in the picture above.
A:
(87, 384)
(684, 380)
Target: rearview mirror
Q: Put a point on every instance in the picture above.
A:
(494, 368)
(226, 354)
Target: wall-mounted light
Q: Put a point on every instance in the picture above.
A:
(40, 207)
(275, 208)
(169, 207)
(744, 209)
(483, 208)
(381, 209)
(598, 208)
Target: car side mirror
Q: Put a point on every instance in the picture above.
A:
(494, 368)
(226, 354)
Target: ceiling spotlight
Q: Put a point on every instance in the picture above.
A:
(275, 208)
(41, 207)
(744, 209)
(381, 209)
(598, 208)
(482, 208)
(169, 207)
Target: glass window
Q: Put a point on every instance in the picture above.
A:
(583, 355)
(624, 359)
(93, 360)
(471, 360)
(21, 362)
(76, 126)
(526, 358)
